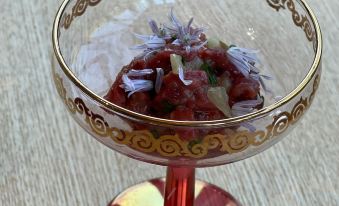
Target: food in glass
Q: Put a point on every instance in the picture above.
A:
(183, 74)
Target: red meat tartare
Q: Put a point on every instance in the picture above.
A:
(184, 75)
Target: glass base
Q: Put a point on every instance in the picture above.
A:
(151, 193)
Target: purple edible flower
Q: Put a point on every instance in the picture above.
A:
(155, 41)
(185, 35)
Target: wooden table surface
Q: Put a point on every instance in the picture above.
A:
(40, 164)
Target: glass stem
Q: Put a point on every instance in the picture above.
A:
(180, 185)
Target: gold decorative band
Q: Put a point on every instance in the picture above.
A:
(65, 20)
(78, 10)
(299, 20)
(172, 145)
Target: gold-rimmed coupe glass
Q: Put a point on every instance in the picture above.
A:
(91, 40)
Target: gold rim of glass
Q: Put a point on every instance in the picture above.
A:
(167, 122)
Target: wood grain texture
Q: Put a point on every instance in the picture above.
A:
(40, 164)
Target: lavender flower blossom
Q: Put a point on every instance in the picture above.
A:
(136, 85)
(185, 35)
(155, 41)
(246, 60)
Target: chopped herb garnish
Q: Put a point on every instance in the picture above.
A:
(167, 107)
(212, 78)
(173, 37)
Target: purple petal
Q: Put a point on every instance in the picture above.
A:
(139, 73)
(174, 19)
(277, 98)
(147, 53)
(239, 111)
(138, 47)
(266, 77)
(245, 107)
(248, 103)
(189, 24)
(244, 59)
(182, 77)
(155, 43)
(137, 85)
(197, 47)
(255, 76)
(143, 37)
(158, 82)
(248, 126)
(170, 29)
(154, 26)
(176, 42)
(263, 85)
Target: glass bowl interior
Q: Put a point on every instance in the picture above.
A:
(94, 38)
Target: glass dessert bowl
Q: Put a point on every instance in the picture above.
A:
(192, 96)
